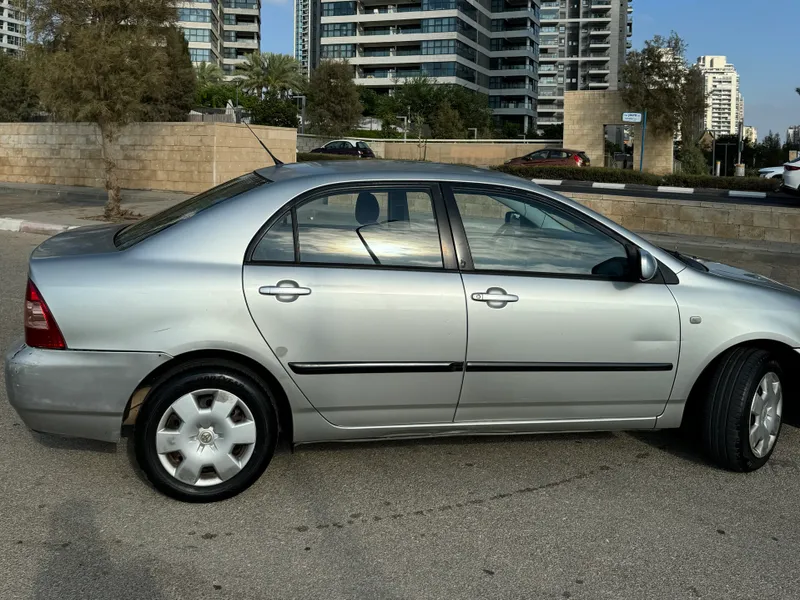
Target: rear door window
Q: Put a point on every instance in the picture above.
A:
(133, 234)
(394, 227)
(362, 146)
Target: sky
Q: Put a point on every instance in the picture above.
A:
(760, 37)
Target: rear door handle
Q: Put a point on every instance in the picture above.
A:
(286, 291)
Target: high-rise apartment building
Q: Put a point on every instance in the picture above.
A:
(793, 134)
(750, 134)
(306, 33)
(490, 46)
(13, 30)
(221, 32)
(583, 45)
(725, 104)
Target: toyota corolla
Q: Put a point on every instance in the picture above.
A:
(344, 301)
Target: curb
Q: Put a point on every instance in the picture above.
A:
(18, 225)
(648, 188)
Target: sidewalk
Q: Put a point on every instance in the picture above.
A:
(51, 209)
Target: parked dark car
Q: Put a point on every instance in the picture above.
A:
(552, 157)
(347, 147)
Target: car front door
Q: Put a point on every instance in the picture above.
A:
(364, 306)
(559, 330)
(333, 147)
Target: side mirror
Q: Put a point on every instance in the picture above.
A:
(648, 265)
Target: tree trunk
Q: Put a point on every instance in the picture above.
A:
(113, 207)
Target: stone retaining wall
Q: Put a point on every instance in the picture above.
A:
(747, 222)
(186, 157)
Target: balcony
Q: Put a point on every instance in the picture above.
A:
(599, 45)
(548, 16)
(598, 85)
(600, 31)
(595, 57)
(601, 4)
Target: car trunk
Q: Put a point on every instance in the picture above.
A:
(94, 239)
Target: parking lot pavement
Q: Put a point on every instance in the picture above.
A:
(594, 516)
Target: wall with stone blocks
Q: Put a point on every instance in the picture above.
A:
(585, 115)
(186, 157)
(469, 153)
(747, 222)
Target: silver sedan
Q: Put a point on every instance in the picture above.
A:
(344, 301)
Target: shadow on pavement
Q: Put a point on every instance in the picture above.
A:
(67, 443)
(80, 566)
(674, 442)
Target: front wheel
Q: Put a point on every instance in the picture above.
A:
(205, 434)
(743, 411)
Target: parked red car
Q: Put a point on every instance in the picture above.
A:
(552, 157)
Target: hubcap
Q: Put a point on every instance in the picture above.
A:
(765, 415)
(206, 437)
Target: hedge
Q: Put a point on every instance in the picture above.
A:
(316, 156)
(603, 175)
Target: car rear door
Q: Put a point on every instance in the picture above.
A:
(557, 331)
(359, 296)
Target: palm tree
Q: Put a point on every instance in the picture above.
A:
(208, 74)
(270, 71)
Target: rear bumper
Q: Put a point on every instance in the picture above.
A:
(75, 393)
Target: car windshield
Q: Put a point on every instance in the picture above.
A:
(135, 233)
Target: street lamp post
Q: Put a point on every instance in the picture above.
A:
(302, 113)
(405, 126)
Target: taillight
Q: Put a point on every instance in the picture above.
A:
(41, 330)
(578, 159)
(791, 168)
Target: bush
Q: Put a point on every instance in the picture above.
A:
(750, 184)
(603, 175)
(598, 174)
(316, 156)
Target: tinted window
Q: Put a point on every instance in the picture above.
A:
(393, 227)
(362, 145)
(508, 233)
(133, 234)
(558, 154)
(333, 145)
(346, 145)
(538, 155)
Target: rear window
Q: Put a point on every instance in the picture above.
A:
(133, 234)
(362, 145)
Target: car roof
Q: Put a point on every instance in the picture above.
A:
(354, 142)
(564, 149)
(336, 171)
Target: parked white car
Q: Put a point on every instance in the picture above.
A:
(771, 172)
(791, 174)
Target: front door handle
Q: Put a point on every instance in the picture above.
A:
(285, 291)
(495, 297)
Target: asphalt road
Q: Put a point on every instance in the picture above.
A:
(590, 516)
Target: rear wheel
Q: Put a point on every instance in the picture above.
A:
(206, 434)
(744, 408)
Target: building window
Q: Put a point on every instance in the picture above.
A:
(439, 25)
(338, 30)
(200, 35)
(229, 19)
(197, 15)
(338, 51)
(439, 47)
(200, 55)
(338, 9)
(251, 4)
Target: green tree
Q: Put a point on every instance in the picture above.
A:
(657, 79)
(174, 100)
(333, 105)
(97, 61)
(208, 74)
(693, 106)
(273, 72)
(274, 110)
(216, 95)
(472, 107)
(446, 123)
(693, 161)
(17, 100)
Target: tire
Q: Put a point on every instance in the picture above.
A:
(727, 420)
(216, 403)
